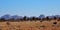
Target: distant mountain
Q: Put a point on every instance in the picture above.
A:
(51, 16)
(17, 17)
(58, 16)
(41, 16)
(6, 17)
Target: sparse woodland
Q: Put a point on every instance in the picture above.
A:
(25, 18)
(33, 23)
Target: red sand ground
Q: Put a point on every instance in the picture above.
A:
(30, 25)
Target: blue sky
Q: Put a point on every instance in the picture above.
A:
(30, 7)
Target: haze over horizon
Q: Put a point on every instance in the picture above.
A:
(29, 7)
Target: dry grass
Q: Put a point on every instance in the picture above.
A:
(30, 25)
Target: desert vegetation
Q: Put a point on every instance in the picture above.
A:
(30, 23)
(25, 18)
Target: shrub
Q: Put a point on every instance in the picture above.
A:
(55, 23)
(8, 23)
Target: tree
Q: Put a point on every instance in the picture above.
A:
(55, 18)
(2, 19)
(37, 18)
(48, 19)
(24, 18)
(32, 18)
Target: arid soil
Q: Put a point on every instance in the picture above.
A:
(30, 25)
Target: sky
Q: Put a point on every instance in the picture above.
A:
(30, 7)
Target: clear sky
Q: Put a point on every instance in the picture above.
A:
(30, 7)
